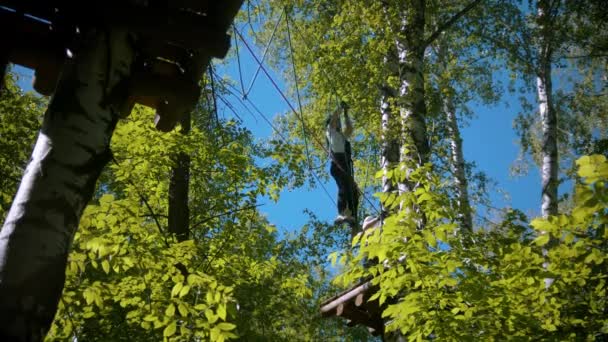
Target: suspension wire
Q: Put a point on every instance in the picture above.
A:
(278, 132)
(229, 106)
(295, 111)
(232, 90)
(238, 60)
(217, 121)
(331, 198)
(257, 71)
(295, 80)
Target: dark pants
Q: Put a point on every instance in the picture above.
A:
(342, 173)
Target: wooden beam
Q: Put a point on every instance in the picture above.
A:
(3, 67)
(328, 307)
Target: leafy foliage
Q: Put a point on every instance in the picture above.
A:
(128, 279)
(490, 285)
(20, 118)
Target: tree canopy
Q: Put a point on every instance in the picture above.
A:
(444, 268)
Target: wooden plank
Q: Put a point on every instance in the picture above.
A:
(340, 309)
(360, 299)
(186, 28)
(328, 307)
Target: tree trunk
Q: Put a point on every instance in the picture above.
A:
(455, 140)
(179, 186)
(179, 213)
(390, 145)
(457, 165)
(410, 48)
(548, 116)
(549, 154)
(3, 67)
(414, 152)
(71, 150)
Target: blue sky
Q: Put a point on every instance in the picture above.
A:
(488, 140)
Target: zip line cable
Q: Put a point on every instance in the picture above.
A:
(257, 71)
(238, 60)
(295, 80)
(217, 121)
(294, 110)
(281, 136)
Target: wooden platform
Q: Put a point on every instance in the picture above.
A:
(176, 40)
(354, 306)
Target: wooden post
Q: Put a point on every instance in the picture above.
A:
(3, 67)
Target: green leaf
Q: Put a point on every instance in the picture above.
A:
(106, 199)
(542, 240)
(184, 291)
(170, 311)
(221, 311)
(106, 266)
(211, 317)
(429, 238)
(170, 329)
(183, 310)
(176, 289)
(226, 326)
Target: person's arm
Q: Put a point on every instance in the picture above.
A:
(334, 118)
(348, 125)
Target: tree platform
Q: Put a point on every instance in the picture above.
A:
(175, 41)
(354, 306)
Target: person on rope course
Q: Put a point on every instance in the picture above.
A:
(342, 165)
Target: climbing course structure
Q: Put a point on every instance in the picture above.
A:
(96, 60)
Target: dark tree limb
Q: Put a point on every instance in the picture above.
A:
(446, 25)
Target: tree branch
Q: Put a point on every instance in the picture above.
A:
(224, 214)
(451, 22)
(585, 56)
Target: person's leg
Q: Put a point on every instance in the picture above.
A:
(355, 200)
(345, 181)
(337, 174)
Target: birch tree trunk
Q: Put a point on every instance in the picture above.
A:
(410, 49)
(390, 144)
(179, 186)
(549, 153)
(414, 152)
(71, 150)
(548, 116)
(455, 140)
(457, 165)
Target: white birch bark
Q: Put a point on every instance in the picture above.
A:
(390, 145)
(71, 150)
(457, 166)
(548, 116)
(549, 153)
(410, 49)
